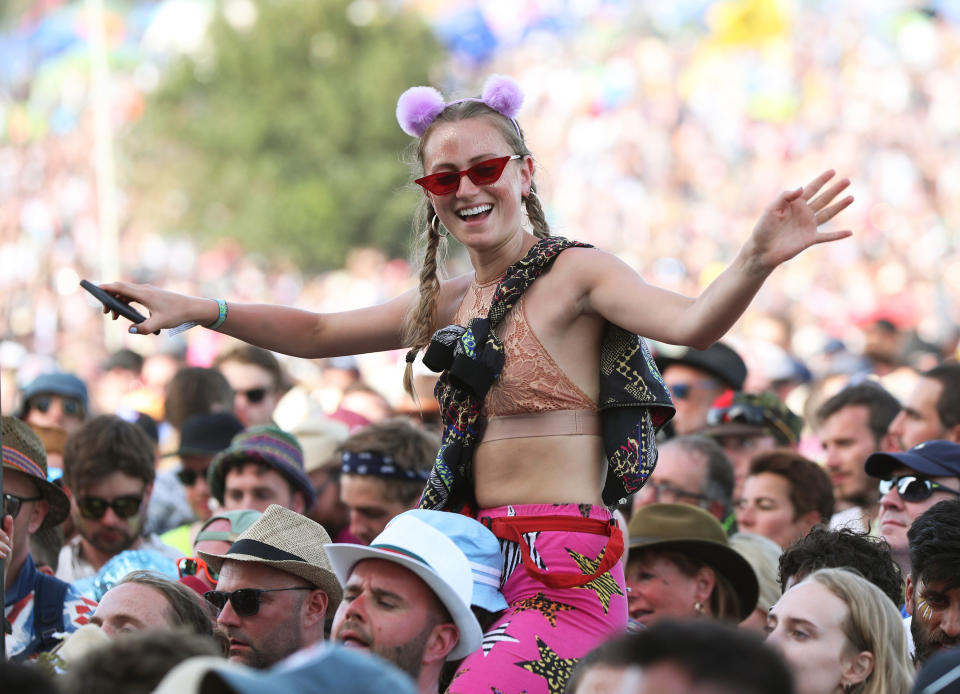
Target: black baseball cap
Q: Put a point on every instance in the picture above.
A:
(718, 360)
(207, 433)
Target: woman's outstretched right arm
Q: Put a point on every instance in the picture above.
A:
(278, 328)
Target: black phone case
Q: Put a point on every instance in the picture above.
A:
(114, 304)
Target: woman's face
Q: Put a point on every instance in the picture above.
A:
(806, 626)
(480, 217)
(765, 508)
(658, 588)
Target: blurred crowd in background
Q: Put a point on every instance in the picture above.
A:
(656, 132)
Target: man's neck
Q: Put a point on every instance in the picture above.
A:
(97, 558)
(12, 571)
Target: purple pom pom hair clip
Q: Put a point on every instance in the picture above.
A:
(419, 106)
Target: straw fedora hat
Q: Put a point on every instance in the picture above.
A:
(694, 532)
(288, 541)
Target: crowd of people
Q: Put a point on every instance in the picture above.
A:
(241, 507)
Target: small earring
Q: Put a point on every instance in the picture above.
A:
(435, 226)
(698, 606)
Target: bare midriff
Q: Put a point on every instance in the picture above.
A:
(539, 470)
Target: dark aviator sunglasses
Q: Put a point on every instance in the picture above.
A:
(914, 488)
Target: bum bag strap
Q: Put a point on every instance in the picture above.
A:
(513, 529)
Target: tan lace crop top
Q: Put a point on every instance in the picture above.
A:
(533, 396)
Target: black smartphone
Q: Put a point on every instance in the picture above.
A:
(113, 303)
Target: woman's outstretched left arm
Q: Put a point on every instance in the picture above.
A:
(787, 227)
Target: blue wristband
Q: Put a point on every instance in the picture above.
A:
(222, 305)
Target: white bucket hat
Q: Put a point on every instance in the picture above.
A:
(430, 555)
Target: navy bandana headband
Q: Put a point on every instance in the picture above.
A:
(374, 464)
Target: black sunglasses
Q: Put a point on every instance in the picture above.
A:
(189, 477)
(71, 406)
(94, 507)
(245, 601)
(914, 488)
(254, 395)
(12, 504)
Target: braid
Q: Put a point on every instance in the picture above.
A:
(538, 220)
(421, 321)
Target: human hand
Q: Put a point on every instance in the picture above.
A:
(6, 536)
(166, 309)
(789, 225)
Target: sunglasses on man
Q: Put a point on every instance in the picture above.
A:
(70, 406)
(189, 477)
(253, 395)
(193, 566)
(914, 488)
(94, 507)
(245, 601)
(13, 503)
(483, 173)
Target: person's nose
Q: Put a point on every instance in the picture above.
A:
(228, 616)
(892, 499)
(745, 515)
(358, 527)
(466, 187)
(950, 624)
(773, 640)
(896, 426)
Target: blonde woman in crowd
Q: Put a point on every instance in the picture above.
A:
(840, 634)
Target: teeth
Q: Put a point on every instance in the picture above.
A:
(471, 211)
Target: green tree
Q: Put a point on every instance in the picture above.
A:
(283, 136)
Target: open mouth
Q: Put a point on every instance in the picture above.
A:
(471, 214)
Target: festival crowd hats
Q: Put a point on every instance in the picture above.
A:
(288, 541)
(932, 458)
(718, 360)
(432, 556)
(325, 667)
(481, 547)
(207, 433)
(754, 414)
(63, 384)
(239, 521)
(23, 451)
(696, 533)
(268, 445)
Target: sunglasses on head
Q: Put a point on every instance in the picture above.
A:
(681, 391)
(71, 406)
(914, 487)
(192, 566)
(245, 601)
(189, 477)
(482, 174)
(254, 395)
(12, 504)
(94, 508)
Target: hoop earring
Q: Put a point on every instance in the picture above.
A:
(435, 227)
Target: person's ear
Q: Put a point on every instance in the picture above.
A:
(706, 580)
(857, 669)
(315, 608)
(526, 176)
(953, 434)
(443, 639)
(38, 515)
(908, 595)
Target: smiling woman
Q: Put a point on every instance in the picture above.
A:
(537, 442)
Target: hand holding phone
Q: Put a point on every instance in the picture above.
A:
(114, 304)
